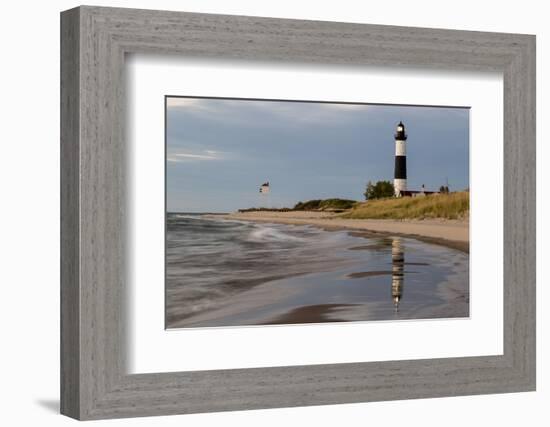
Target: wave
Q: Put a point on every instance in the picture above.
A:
(185, 216)
(271, 234)
(206, 217)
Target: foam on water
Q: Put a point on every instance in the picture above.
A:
(271, 234)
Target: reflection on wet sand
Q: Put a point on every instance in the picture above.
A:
(398, 267)
(398, 274)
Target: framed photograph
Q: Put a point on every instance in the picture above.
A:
(256, 236)
(262, 213)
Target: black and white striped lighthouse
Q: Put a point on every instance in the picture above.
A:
(400, 176)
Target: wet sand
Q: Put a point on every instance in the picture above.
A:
(309, 314)
(363, 274)
(367, 269)
(451, 233)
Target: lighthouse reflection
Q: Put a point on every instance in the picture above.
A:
(398, 265)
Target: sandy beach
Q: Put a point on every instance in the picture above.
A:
(262, 268)
(450, 233)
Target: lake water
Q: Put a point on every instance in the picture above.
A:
(231, 273)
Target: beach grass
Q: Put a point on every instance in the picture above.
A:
(325, 204)
(447, 206)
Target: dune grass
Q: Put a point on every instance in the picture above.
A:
(448, 206)
(326, 204)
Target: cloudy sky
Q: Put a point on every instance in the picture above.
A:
(220, 151)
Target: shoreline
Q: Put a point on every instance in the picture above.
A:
(340, 280)
(453, 234)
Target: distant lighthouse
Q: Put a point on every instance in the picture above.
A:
(400, 176)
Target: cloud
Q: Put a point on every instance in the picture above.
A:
(312, 113)
(256, 113)
(173, 102)
(200, 106)
(346, 107)
(180, 157)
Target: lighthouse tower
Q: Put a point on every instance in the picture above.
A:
(400, 176)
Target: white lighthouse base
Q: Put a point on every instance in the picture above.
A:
(399, 185)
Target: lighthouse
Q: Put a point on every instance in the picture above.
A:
(400, 175)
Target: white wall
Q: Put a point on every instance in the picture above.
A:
(29, 233)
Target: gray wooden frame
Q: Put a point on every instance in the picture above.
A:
(94, 41)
